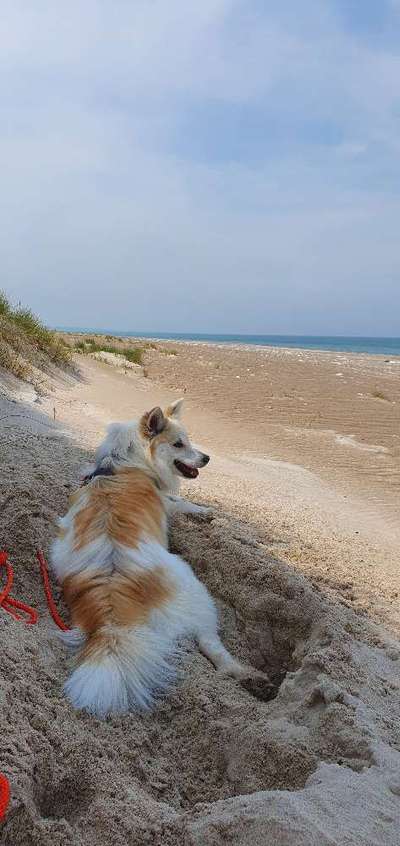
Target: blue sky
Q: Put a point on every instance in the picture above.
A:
(225, 166)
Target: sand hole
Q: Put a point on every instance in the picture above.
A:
(226, 739)
(267, 736)
(67, 798)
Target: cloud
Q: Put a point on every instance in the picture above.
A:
(214, 166)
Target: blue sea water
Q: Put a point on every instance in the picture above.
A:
(375, 346)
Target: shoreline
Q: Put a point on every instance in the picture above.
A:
(230, 344)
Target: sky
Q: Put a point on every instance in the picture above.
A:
(218, 166)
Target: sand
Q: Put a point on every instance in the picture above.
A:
(301, 595)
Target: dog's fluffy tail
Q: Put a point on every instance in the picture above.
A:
(120, 670)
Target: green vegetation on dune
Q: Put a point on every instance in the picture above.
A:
(26, 343)
(28, 347)
(90, 345)
(5, 307)
(134, 355)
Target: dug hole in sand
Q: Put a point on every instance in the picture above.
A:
(215, 762)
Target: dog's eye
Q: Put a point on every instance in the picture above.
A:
(178, 444)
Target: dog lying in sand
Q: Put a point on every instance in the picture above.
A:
(130, 599)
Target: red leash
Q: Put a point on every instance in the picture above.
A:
(4, 795)
(9, 604)
(49, 596)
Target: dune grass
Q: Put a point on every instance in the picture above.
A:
(90, 345)
(25, 341)
(5, 307)
(169, 351)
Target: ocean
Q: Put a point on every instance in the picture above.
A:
(374, 346)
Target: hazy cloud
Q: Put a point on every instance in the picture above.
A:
(223, 166)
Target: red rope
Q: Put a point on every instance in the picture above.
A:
(47, 589)
(7, 602)
(4, 795)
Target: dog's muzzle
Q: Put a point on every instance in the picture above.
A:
(185, 470)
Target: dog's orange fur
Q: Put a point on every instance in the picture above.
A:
(125, 506)
(98, 600)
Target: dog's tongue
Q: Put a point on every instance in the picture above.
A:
(189, 472)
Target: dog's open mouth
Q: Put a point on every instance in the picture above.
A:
(185, 470)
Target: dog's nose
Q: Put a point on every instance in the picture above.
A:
(206, 459)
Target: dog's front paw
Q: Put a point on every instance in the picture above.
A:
(202, 513)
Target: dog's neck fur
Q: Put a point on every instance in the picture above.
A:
(130, 450)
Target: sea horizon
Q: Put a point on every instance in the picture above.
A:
(372, 345)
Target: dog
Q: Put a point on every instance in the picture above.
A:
(131, 600)
(124, 441)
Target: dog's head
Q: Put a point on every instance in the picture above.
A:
(171, 451)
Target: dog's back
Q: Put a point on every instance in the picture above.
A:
(109, 560)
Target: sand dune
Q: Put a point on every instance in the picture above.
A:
(214, 763)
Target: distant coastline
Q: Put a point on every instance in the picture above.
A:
(369, 345)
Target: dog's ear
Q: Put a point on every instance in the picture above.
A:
(152, 423)
(175, 409)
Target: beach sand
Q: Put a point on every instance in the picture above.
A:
(302, 558)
